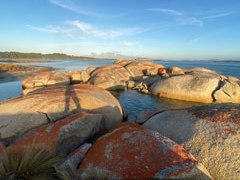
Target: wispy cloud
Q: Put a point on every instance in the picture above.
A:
(215, 16)
(81, 29)
(51, 29)
(90, 30)
(180, 17)
(72, 6)
(168, 11)
(133, 44)
(190, 21)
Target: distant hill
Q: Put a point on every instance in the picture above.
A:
(19, 55)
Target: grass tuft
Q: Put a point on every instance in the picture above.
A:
(33, 163)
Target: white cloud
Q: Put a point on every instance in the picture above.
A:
(51, 29)
(215, 16)
(128, 43)
(72, 6)
(133, 44)
(169, 11)
(88, 29)
(190, 21)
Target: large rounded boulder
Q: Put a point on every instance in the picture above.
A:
(198, 86)
(138, 68)
(110, 77)
(52, 103)
(46, 79)
(60, 137)
(131, 151)
(211, 133)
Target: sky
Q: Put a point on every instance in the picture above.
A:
(163, 29)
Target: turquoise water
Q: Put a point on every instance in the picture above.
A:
(132, 101)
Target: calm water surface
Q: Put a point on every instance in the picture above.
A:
(132, 101)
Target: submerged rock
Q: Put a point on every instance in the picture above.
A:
(52, 103)
(211, 133)
(131, 151)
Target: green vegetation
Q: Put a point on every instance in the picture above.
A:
(18, 55)
(32, 164)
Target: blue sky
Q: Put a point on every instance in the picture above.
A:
(166, 29)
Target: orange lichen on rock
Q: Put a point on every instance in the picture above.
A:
(132, 151)
(53, 136)
(220, 113)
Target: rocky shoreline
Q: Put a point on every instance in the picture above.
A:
(74, 116)
(13, 72)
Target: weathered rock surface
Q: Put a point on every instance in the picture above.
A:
(162, 71)
(73, 160)
(198, 87)
(60, 137)
(200, 69)
(124, 62)
(229, 91)
(175, 70)
(46, 79)
(110, 77)
(12, 68)
(75, 77)
(138, 68)
(2, 147)
(211, 133)
(131, 151)
(52, 103)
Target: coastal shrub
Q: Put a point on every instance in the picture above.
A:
(33, 163)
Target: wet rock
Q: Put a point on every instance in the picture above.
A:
(145, 91)
(52, 103)
(211, 133)
(140, 86)
(146, 115)
(61, 137)
(151, 79)
(130, 84)
(46, 79)
(131, 151)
